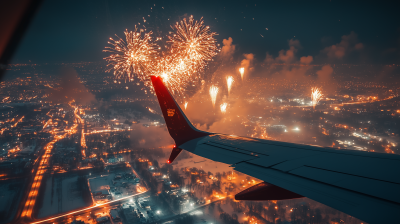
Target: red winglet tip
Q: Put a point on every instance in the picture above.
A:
(179, 127)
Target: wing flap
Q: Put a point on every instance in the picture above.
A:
(374, 188)
(350, 202)
(374, 168)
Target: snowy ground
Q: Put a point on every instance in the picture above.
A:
(202, 163)
(10, 196)
(115, 187)
(65, 197)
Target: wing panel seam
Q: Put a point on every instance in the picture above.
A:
(230, 150)
(340, 153)
(236, 148)
(348, 174)
(356, 192)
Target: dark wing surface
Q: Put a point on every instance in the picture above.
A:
(362, 184)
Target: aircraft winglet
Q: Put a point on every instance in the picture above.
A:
(179, 127)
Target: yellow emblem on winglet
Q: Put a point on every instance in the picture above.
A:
(170, 112)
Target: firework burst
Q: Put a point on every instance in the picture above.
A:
(229, 82)
(223, 107)
(213, 93)
(241, 70)
(193, 43)
(133, 57)
(170, 72)
(186, 103)
(316, 96)
(190, 46)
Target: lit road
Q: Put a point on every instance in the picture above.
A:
(86, 212)
(41, 168)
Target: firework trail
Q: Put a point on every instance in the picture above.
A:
(213, 94)
(229, 81)
(132, 57)
(316, 96)
(223, 107)
(186, 103)
(241, 70)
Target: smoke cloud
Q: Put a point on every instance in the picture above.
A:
(348, 44)
(286, 65)
(70, 89)
(306, 60)
(325, 73)
(150, 137)
(228, 48)
(246, 63)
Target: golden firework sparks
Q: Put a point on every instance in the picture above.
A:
(223, 107)
(241, 70)
(316, 96)
(229, 82)
(171, 72)
(186, 103)
(134, 56)
(213, 93)
(190, 46)
(193, 43)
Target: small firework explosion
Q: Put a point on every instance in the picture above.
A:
(186, 103)
(133, 57)
(316, 96)
(229, 82)
(223, 107)
(213, 94)
(241, 70)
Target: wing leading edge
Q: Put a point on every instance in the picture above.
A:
(362, 184)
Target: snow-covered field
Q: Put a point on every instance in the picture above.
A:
(71, 197)
(202, 163)
(117, 188)
(10, 196)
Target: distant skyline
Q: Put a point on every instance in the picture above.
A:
(74, 31)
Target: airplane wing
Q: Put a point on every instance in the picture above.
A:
(365, 185)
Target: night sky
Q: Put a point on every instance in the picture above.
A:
(75, 31)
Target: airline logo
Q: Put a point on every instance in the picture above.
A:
(170, 112)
